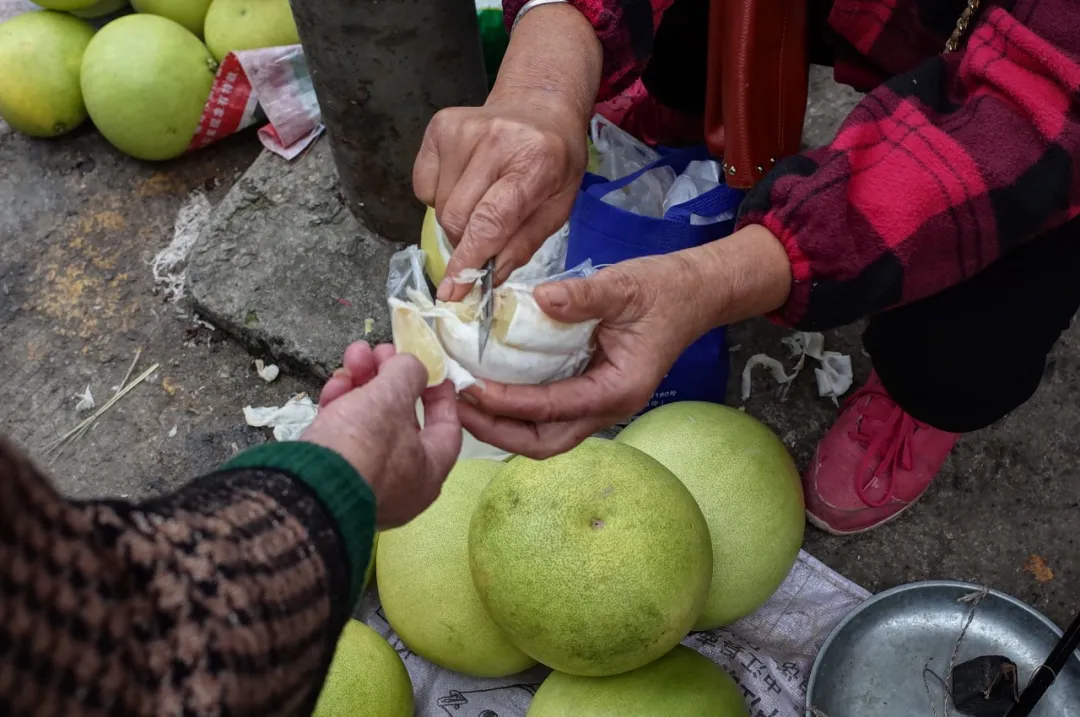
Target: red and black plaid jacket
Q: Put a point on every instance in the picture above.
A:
(951, 161)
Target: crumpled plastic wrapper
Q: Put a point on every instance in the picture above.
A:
(525, 347)
(288, 421)
(614, 154)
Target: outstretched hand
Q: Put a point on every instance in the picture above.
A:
(367, 414)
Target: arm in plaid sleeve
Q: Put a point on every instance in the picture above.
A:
(226, 597)
(936, 173)
(626, 29)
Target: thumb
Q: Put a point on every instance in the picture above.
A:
(602, 296)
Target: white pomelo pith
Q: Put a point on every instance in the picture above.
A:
(366, 678)
(594, 562)
(748, 488)
(682, 683)
(427, 591)
(146, 80)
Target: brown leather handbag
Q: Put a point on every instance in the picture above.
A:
(757, 85)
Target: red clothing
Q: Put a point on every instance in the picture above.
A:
(948, 164)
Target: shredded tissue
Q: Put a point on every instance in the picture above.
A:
(834, 377)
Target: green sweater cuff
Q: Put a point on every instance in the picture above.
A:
(344, 493)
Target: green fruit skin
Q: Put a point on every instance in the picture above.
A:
(65, 5)
(233, 25)
(682, 683)
(145, 80)
(189, 13)
(371, 561)
(100, 9)
(749, 489)
(41, 54)
(594, 562)
(367, 678)
(426, 588)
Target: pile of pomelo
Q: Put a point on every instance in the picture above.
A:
(143, 79)
(596, 563)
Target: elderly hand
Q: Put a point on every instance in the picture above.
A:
(650, 309)
(367, 414)
(502, 178)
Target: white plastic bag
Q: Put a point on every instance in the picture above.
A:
(525, 347)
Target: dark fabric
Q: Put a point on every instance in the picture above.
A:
(226, 597)
(964, 358)
(677, 71)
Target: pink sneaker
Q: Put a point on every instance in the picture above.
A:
(873, 464)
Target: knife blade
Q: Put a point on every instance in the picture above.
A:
(487, 302)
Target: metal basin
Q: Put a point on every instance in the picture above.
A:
(872, 665)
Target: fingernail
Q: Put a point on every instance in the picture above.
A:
(445, 291)
(503, 272)
(468, 398)
(341, 373)
(557, 296)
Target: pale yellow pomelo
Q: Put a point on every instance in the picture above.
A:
(233, 25)
(189, 13)
(41, 53)
(145, 80)
(743, 478)
(371, 561)
(366, 678)
(682, 683)
(594, 562)
(426, 589)
(100, 9)
(430, 239)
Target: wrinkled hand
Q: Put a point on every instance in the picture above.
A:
(367, 414)
(502, 179)
(645, 325)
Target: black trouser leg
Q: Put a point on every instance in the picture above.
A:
(966, 357)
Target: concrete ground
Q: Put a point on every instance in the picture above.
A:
(79, 225)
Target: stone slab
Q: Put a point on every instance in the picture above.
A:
(286, 268)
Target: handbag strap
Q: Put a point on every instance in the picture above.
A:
(758, 79)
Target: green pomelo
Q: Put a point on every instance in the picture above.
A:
(40, 56)
(366, 678)
(426, 588)
(100, 9)
(682, 683)
(145, 80)
(743, 478)
(65, 5)
(371, 561)
(594, 562)
(189, 13)
(233, 25)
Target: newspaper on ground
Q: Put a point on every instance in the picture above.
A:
(769, 653)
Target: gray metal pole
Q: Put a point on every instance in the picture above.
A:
(381, 69)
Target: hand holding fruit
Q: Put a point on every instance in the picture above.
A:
(368, 416)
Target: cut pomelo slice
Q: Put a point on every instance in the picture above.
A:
(413, 335)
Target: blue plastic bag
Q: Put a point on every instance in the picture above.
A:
(607, 235)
